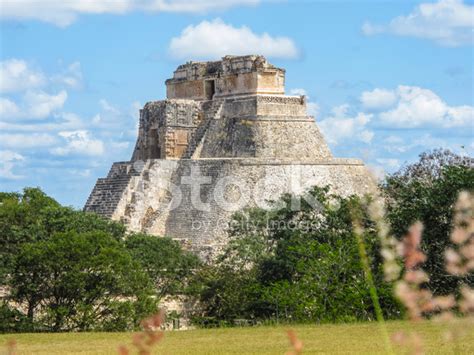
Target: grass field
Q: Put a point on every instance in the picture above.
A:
(362, 338)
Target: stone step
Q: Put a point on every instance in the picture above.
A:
(211, 114)
(108, 191)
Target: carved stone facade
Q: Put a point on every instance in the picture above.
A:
(243, 75)
(221, 120)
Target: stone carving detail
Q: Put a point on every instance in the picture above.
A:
(283, 100)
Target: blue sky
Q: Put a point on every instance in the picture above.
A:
(386, 80)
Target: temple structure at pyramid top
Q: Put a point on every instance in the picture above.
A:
(235, 107)
(231, 76)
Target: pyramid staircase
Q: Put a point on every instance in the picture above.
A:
(212, 113)
(108, 191)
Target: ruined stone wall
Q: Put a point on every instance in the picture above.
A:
(165, 128)
(189, 89)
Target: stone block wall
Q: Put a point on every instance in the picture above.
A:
(166, 128)
(160, 202)
(242, 75)
(264, 126)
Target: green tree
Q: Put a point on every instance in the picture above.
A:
(33, 216)
(166, 263)
(299, 265)
(81, 281)
(427, 191)
(20, 216)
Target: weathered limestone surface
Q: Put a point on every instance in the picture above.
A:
(147, 205)
(229, 122)
(231, 76)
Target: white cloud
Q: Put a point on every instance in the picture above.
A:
(214, 39)
(313, 109)
(8, 108)
(62, 121)
(377, 99)
(41, 104)
(106, 106)
(390, 163)
(71, 76)
(8, 160)
(423, 141)
(298, 92)
(35, 105)
(81, 173)
(79, 142)
(414, 107)
(26, 141)
(24, 96)
(340, 126)
(196, 6)
(64, 13)
(16, 75)
(447, 22)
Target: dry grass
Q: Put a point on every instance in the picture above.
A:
(362, 338)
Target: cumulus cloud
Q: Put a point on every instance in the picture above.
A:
(8, 108)
(412, 106)
(214, 39)
(423, 141)
(79, 142)
(64, 13)
(446, 22)
(26, 141)
(378, 99)
(390, 163)
(41, 104)
(340, 125)
(8, 161)
(70, 77)
(16, 75)
(62, 121)
(298, 92)
(22, 86)
(34, 105)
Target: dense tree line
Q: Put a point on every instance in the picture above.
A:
(65, 270)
